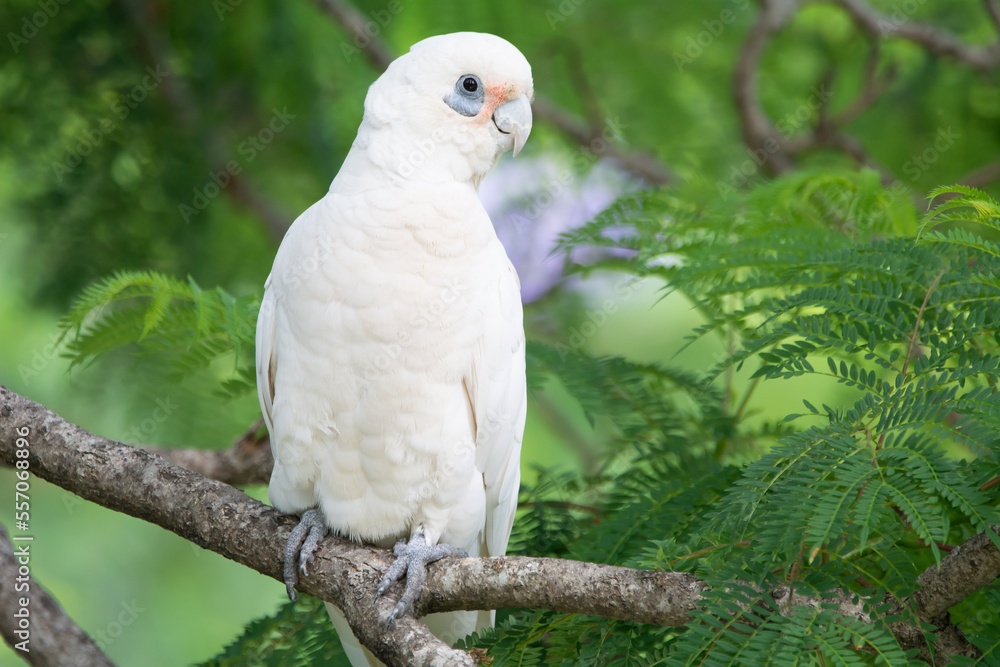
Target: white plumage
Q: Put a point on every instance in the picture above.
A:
(390, 345)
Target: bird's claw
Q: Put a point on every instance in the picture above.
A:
(412, 559)
(396, 570)
(301, 547)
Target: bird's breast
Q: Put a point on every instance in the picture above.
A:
(375, 344)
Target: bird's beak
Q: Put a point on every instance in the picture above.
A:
(514, 117)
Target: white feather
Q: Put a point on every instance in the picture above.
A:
(390, 344)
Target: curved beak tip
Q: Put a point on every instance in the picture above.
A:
(514, 117)
(520, 136)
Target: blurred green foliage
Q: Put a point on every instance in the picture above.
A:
(120, 121)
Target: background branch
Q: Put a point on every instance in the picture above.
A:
(874, 87)
(935, 40)
(379, 54)
(376, 51)
(982, 176)
(223, 519)
(760, 132)
(247, 462)
(183, 103)
(55, 640)
(993, 9)
(967, 569)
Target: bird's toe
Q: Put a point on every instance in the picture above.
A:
(301, 548)
(412, 559)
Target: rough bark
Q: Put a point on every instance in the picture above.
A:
(965, 570)
(214, 516)
(54, 640)
(247, 462)
(223, 519)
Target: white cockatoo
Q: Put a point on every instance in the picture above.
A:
(390, 344)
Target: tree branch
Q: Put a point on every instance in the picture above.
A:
(935, 40)
(379, 54)
(965, 570)
(993, 9)
(53, 639)
(762, 136)
(247, 462)
(229, 522)
(640, 164)
(759, 132)
(873, 88)
(981, 176)
(223, 519)
(183, 103)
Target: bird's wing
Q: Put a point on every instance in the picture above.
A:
(499, 401)
(266, 361)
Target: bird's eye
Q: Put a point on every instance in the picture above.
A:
(468, 96)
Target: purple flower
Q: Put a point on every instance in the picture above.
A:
(533, 202)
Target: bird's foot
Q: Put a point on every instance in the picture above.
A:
(412, 559)
(301, 547)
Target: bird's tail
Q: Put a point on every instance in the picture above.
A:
(447, 626)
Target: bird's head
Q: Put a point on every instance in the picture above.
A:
(450, 107)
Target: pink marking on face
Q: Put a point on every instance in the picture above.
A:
(496, 94)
